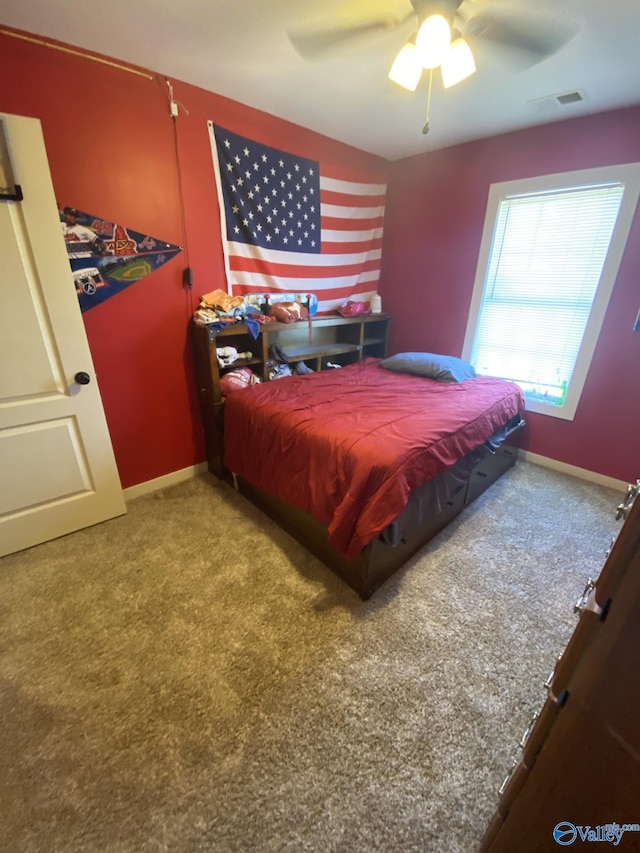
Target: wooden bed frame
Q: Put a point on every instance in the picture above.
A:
(378, 560)
(345, 340)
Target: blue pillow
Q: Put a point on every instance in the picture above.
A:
(444, 368)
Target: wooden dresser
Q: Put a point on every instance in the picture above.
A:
(577, 770)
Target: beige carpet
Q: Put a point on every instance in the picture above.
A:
(187, 678)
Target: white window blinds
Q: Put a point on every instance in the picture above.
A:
(545, 264)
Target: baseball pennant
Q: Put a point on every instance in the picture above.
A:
(106, 257)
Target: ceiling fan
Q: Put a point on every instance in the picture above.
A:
(445, 31)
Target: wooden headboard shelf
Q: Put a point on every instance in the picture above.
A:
(341, 340)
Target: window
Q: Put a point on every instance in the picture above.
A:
(550, 253)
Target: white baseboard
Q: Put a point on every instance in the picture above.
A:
(164, 481)
(573, 470)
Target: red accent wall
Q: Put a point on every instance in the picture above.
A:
(434, 219)
(112, 152)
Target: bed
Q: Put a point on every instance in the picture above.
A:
(364, 465)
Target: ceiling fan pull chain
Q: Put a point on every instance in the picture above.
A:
(425, 129)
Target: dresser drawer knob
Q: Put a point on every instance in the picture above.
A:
(622, 510)
(581, 603)
(528, 730)
(506, 779)
(610, 548)
(549, 680)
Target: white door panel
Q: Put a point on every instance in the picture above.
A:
(57, 469)
(55, 448)
(34, 366)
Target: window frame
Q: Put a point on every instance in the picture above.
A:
(629, 175)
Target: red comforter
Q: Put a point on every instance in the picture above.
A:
(349, 445)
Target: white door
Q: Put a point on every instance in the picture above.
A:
(57, 469)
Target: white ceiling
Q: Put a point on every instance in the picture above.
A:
(240, 48)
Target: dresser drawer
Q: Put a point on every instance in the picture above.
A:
(488, 470)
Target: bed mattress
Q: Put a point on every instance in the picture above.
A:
(350, 445)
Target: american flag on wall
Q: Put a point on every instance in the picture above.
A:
(293, 225)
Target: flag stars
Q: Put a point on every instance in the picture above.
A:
(260, 212)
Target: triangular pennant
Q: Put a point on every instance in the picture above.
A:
(106, 257)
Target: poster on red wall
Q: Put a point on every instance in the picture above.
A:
(106, 258)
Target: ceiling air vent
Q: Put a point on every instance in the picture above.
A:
(569, 98)
(552, 103)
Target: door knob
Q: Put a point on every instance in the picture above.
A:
(82, 378)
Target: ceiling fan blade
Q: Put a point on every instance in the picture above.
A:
(318, 42)
(536, 33)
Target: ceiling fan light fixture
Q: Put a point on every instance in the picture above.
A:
(407, 67)
(458, 64)
(433, 40)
